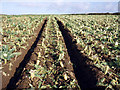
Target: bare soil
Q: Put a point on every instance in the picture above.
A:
(20, 60)
(23, 80)
(86, 73)
(83, 69)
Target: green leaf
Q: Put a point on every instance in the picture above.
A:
(54, 86)
(16, 53)
(23, 47)
(11, 50)
(39, 85)
(43, 87)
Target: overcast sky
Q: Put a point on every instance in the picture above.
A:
(58, 7)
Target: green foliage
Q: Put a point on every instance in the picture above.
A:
(6, 53)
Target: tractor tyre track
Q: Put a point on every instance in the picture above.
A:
(16, 77)
(86, 73)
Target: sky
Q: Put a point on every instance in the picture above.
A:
(16, 7)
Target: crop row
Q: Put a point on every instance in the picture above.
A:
(104, 43)
(17, 30)
(89, 46)
(49, 66)
(103, 39)
(68, 50)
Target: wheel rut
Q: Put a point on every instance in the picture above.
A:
(85, 72)
(26, 59)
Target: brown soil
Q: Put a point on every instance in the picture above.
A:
(98, 49)
(83, 69)
(23, 80)
(86, 73)
(19, 60)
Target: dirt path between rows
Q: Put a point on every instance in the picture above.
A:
(19, 64)
(24, 81)
(86, 73)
